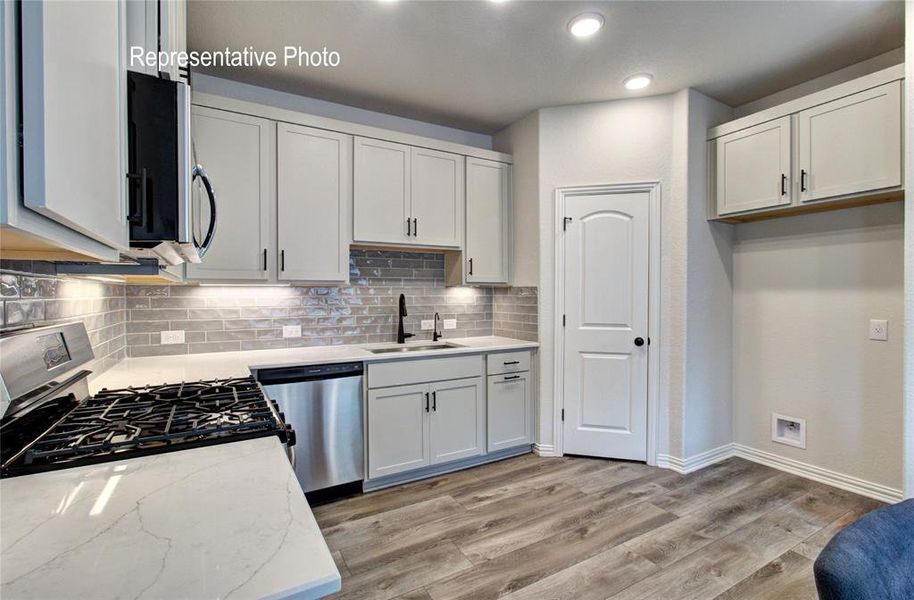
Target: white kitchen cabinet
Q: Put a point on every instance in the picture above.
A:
(238, 153)
(152, 26)
(398, 429)
(314, 203)
(381, 194)
(457, 420)
(488, 227)
(73, 110)
(510, 410)
(851, 145)
(436, 197)
(753, 168)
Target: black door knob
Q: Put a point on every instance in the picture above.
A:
(639, 341)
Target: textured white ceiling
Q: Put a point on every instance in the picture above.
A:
(480, 65)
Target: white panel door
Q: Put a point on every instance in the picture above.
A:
(73, 109)
(851, 145)
(238, 153)
(398, 436)
(381, 176)
(314, 203)
(509, 403)
(606, 307)
(753, 168)
(437, 197)
(457, 423)
(488, 197)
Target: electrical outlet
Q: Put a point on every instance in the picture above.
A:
(879, 330)
(427, 324)
(291, 331)
(450, 323)
(172, 337)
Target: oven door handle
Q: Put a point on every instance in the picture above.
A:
(198, 171)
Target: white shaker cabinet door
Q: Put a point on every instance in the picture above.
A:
(488, 206)
(851, 145)
(398, 436)
(510, 411)
(437, 197)
(314, 195)
(73, 109)
(457, 420)
(237, 152)
(753, 168)
(381, 199)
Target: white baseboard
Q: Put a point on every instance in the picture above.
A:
(788, 465)
(826, 476)
(544, 449)
(694, 463)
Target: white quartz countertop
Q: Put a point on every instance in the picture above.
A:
(225, 521)
(193, 367)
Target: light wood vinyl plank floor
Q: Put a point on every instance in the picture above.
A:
(581, 528)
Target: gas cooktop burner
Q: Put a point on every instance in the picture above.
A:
(116, 424)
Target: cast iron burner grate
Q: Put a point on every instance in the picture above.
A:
(117, 424)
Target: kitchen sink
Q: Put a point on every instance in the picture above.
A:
(412, 348)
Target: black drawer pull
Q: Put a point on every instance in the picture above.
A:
(512, 362)
(510, 377)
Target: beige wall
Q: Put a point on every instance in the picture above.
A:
(909, 254)
(804, 290)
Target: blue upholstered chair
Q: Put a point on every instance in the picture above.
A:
(871, 559)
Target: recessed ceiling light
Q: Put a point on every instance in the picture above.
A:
(585, 25)
(639, 81)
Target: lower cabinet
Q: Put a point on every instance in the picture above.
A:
(510, 410)
(415, 426)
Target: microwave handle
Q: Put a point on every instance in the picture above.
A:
(198, 171)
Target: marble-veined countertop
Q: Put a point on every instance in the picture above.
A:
(226, 521)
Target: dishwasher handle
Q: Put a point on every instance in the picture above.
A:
(283, 375)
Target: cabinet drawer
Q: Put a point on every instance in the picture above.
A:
(508, 362)
(404, 372)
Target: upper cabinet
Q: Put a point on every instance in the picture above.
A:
(314, 202)
(73, 111)
(406, 195)
(753, 167)
(156, 25)
(381, 192)
(488, 222)
(237, 152)
(851, 145)
(835, 148)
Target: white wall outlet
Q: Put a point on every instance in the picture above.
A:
(172, 337)
(291, 331)
(788, 430)
(427, 324)
(879, 330)
(450, 323)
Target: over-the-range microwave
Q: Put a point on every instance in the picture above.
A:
(161, 173)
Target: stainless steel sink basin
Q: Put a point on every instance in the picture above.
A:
(412, 348)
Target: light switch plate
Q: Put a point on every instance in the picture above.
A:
(450, 323)
(426, 323)
(879, 330)
(172, 337)
(291, 331)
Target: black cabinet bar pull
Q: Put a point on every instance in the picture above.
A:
(802, 180)
(510, 377)
(409, 227)
(416, 227)
(512, 362)
(435, 401)
(282, 260)
(264, 259)
(426, 401)
(471, 266)
(783, 184)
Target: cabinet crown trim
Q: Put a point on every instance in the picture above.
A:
(841, 90)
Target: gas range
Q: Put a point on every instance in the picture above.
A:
(59, 425)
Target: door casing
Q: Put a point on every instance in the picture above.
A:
(652, 188)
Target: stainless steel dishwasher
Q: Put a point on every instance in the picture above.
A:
(323, 404)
